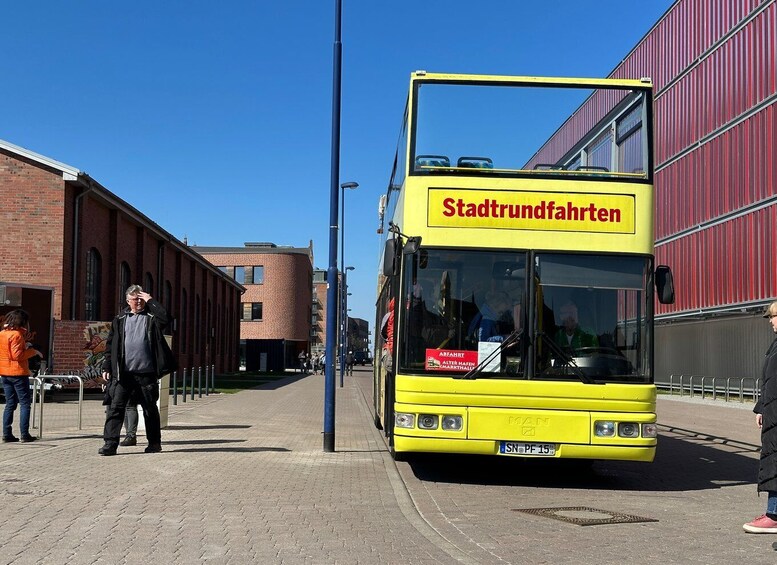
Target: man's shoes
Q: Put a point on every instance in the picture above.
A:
(761, 525)
(28, 438)
(10, 439)
(129, 441)
(107, 450)
(154, 448)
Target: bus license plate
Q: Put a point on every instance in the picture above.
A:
(518, 448)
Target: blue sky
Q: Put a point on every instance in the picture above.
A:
(214, 119)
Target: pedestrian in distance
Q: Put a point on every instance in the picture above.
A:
(318, 366)
(131, 419)
(136, 357)
(15, 354)
(303, 358)
(349, 360)
(766, 419)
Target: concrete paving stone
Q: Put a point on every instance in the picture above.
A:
(243, 479)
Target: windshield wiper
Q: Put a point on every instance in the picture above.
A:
(512, 338)
(567, 359)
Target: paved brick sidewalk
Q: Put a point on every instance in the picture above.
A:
(242, 479)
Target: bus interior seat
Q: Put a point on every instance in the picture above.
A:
(432, 161)
(548, 167)
(593, 168)
(475, 163)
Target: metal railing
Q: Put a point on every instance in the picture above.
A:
(39, 392)
(210, 384)
(39, 385)
(706, 386)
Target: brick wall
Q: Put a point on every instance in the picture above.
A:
(31, 240)
(69, 345)
(286, 293)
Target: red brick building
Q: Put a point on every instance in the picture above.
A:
(277, 307)
(318, 329)
(68, 250)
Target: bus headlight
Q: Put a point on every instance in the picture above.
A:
(649, 430)
(428, 421)
(604, 429)
(628, 429)
(404, 420)
(452, 423)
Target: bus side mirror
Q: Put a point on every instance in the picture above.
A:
(412, 245)
(391, 253)
(664, 284)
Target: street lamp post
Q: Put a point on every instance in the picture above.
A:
(344, 322)
(343, 187)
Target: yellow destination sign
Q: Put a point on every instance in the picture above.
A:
(552, 211)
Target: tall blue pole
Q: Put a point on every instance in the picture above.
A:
(331, 275)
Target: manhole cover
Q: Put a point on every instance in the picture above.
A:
(585, 516)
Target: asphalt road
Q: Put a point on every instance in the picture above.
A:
(688, 506)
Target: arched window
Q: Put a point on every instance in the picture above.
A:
(167, 298)
(93, 283)
(197, 324)
(183, 318)
(125, 280)
(148, 284)
(209, 332)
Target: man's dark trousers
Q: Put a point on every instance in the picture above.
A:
(145, 387)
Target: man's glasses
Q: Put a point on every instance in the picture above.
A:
(135, 298)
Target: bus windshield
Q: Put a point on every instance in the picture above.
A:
(518, 315)
(501, 129)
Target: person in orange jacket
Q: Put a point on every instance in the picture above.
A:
(15, 354)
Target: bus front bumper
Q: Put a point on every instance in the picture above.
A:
(409, 444)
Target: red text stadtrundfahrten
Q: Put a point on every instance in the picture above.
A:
(545, 210)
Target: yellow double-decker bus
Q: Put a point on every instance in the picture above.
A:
(515, 301)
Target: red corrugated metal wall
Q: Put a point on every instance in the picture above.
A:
(714, 67)
(723, 264)
(715, 155)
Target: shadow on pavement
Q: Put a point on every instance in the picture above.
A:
(284, 381)
(359, 450)
(59, 437)
(223, 427)
(680, 465)
(202, 441)
(228, 450)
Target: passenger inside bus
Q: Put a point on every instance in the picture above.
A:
(430, 322)
(570, 336)
(495, 321)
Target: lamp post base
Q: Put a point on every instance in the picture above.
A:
(329, 442)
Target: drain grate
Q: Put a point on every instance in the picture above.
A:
(584, 516)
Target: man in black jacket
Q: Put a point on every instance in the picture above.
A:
(136, 357)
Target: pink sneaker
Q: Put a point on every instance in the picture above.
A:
(761, 525)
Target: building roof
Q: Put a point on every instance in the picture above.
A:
(68, 172)
(96, 190)
(250, 248)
